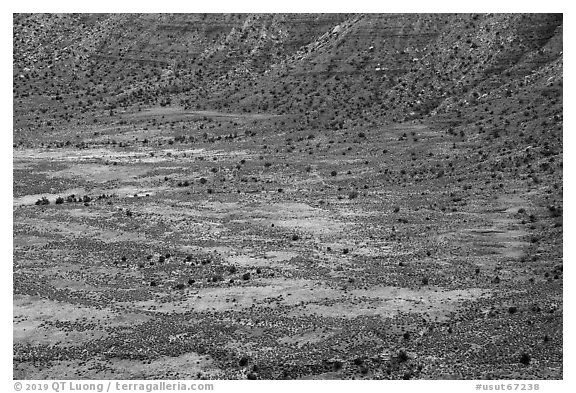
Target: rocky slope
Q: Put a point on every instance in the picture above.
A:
(325, 70)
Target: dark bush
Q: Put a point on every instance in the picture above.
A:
(59, 200)
(402, 356)
(525, 358)
(243, 361)
(246, 276)
(43, 201)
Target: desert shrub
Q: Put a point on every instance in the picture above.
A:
(396, 209)
(191, 281)
(555, 211)
(295, 237)
(153, 283)
(203, 180)
(43, 201)
(512, 310)
(402, 356)
(246, 276)
(232, 269)
(333, 173)
(525, 358)
(243, 361)
(425, 281)
(179, 286)
(161, 259)
(86, 199)
(353, 195)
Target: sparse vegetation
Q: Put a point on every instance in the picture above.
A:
(342, 196)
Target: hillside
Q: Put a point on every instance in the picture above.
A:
(336, 68)
(288, 196)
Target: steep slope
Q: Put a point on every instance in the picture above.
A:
(327, 71)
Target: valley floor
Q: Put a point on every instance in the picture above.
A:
(358, 256)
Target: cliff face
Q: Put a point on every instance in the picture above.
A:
(328, 70)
